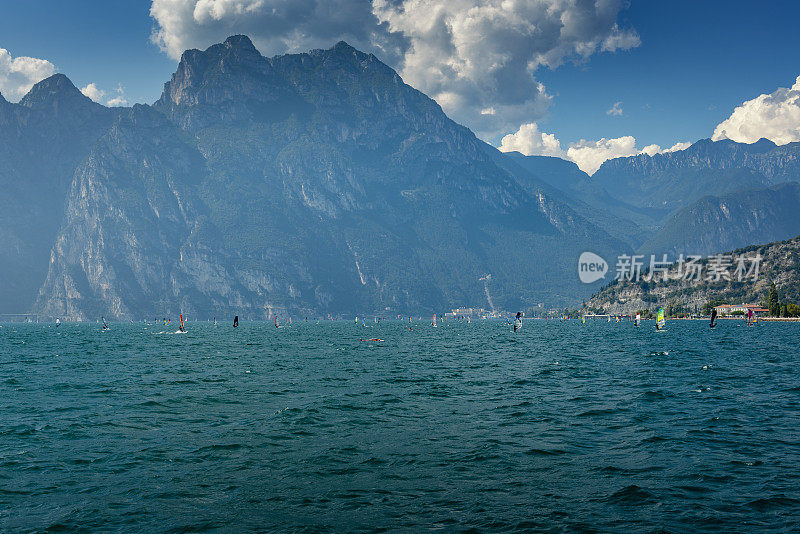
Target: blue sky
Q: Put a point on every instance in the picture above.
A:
(697, 61)
(694, 62)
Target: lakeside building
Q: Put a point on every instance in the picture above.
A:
(730, 309)
(474, 313)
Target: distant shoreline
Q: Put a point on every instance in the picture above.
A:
(776, 319)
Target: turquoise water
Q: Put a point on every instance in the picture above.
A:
(305, 428)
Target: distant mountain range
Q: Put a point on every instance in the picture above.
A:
(320, 183)
(730, 221)
(666, 182)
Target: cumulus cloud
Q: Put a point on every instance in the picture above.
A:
(530, 141)
(93, 92)
(652, 150)
(587, 155)
(275, 26)
(616, 109)
(477, 59)
(19, 74)
(775, 116)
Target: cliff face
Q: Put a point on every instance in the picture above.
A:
(730, 221)
(307, 184)
(131, 211)
(42, 141)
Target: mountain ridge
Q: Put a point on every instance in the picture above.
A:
(314, 183)
(730, 221)
(324, 184)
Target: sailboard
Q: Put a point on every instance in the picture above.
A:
(660, 321)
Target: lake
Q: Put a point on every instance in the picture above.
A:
(562, 425)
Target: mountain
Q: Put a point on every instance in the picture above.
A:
(780, 263)
(557, 172)
(667, 182)
(42, 140)
(628, 223)
(730, 221)
(310, 184)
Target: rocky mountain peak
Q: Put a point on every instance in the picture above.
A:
(343, 48)
(53, 93)
(240, 42)
(220, 72)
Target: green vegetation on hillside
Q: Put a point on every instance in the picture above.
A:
(777, 286)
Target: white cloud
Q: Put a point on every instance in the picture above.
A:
(477, 59)
(775, 116)
(276, 26)
(530, 141)
(590, 155)
(118, 100)
(93, 92)
(587, 155)
(19, 74)
(677, 147)
(615, 110)
(651, 150)
(620, 40)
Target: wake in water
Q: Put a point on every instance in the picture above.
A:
(165, 333)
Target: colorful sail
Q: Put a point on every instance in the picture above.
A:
(660, 321)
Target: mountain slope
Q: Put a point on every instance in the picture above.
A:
(780, 264)
(309, 184)
(673, 180)
(627, 223)
(730, 221)
(42, 140)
